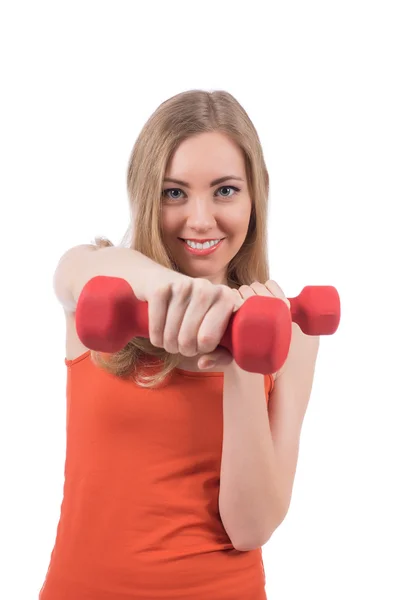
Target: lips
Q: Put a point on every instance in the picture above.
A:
(201, 240)
(201, 251)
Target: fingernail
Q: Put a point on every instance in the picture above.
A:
(207, 364)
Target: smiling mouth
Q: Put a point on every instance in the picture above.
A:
(201, 244)
(201, 247)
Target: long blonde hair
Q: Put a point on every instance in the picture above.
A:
(182, 116)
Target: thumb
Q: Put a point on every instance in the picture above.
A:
(220, 357)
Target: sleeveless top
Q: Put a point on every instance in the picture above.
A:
(139, 518)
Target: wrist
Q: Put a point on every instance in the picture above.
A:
(154, 276)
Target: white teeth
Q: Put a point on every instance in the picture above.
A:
(198, 246)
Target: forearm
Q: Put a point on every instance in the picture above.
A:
(114, 261)
(81, 263)
(250, 493)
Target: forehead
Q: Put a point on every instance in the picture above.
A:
(207, 155)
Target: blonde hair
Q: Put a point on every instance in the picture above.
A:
(182, 116)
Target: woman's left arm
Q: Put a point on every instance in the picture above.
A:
(261, 438)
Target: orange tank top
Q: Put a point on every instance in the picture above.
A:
(139, 518)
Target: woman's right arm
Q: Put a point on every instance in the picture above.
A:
(81, 263)
(186, 315)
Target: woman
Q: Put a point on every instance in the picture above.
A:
(179, 464)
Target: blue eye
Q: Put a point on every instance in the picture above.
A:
(228, 187)
(166, 193)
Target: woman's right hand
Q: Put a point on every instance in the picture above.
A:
(187, 315)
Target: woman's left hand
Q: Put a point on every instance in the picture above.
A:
(221, 357)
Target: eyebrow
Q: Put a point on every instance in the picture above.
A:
(215, 182)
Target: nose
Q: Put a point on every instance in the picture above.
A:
(201, 216)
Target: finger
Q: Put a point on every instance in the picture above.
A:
(246, 292)
(218, 358)
(157, 314)
(180, 299)
(277, 291)
(260, 289)
(237, 298)
(202, 299)
(214, 323)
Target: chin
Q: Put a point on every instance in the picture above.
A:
(213, 268)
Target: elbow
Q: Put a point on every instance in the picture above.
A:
(259, 540)
(246, 547)
(251, 544)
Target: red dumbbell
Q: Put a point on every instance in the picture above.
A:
(258, 335)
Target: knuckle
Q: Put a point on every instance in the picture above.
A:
(171, 350)
(229, 294)
(181, 287)
(155, 334)
(221, 290)
(170, 340)
(202, 295)
(207, 341)
(161, 291)
(237, 299)
(202, 290)
(223, 294)
(187, 347)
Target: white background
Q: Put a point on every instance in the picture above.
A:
(321, 83)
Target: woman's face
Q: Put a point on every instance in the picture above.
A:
(206, 205)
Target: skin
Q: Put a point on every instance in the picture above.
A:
(188, 314)
(261, 439)
(196, 210)
(199, 211)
